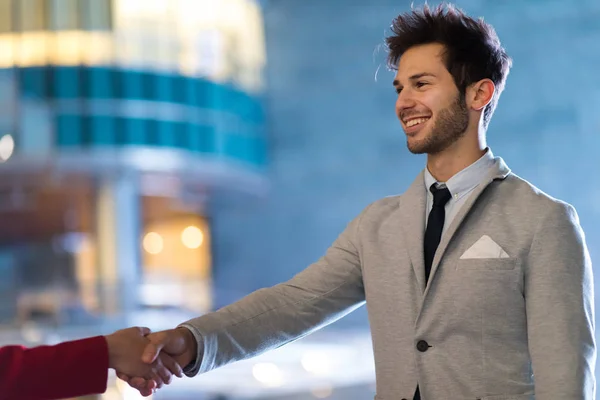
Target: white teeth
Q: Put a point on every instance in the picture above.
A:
(416, 121)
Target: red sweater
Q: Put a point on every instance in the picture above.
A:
(69, 369)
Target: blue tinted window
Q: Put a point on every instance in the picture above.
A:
(99, 82)
(180, 135)
(101, 130)
(33, 81)
(68, 130)
(130, 84)
(134, 131)
(165, 133)
(201, 138)
(164, 88)
(66, 82)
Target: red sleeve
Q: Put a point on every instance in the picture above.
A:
(69, 369)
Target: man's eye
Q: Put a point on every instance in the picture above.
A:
(421, 84)
(398, 90)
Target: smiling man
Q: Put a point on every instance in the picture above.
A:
(478, 285)
(452, 118)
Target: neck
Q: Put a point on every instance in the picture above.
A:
(445, 164)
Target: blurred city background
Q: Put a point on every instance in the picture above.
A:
(163, 158)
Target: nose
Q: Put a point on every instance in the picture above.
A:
(404, 102)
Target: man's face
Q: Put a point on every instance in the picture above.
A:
(431, 110)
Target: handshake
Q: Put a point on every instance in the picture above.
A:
(147, 361)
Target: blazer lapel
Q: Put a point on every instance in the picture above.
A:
(500, 171)
(412, 209)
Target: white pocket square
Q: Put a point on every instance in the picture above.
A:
(485, 247)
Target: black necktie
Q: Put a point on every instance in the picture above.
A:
(435, 225)
(433, 234)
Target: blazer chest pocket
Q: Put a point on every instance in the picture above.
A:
(487, 264)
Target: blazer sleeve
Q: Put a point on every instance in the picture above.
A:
(68, 369)
(269, 318)
(559, 296)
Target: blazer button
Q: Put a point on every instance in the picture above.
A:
(422, 346)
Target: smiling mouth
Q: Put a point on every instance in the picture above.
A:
(416, 121)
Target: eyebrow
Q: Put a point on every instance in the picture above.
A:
(414, 77)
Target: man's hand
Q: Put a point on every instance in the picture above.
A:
(178, 343)
(126, 347)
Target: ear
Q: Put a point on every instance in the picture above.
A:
(480, 93)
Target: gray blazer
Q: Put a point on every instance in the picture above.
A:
(508, 313)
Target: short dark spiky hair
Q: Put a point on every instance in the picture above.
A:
(472, 48)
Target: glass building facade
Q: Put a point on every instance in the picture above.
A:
(120, 122)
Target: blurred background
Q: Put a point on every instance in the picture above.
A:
(163, 158)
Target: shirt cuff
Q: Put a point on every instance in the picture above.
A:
(193, 368)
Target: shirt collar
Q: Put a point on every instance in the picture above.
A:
(467, 179)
